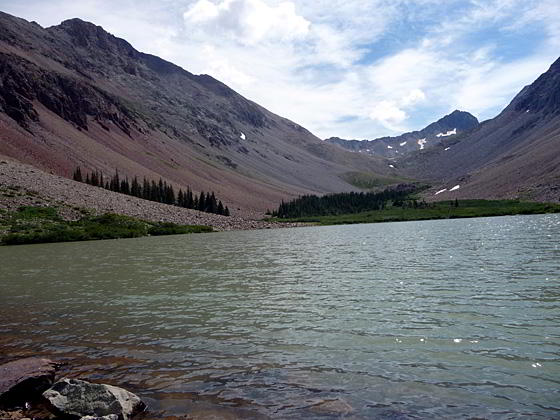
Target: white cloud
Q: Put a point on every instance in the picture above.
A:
(248, 21)
(388, 113)
(222, 69)
(415, 96)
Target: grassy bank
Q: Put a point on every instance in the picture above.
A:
(31, 225)
(438, 210)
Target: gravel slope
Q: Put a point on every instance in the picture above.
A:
(25, 185)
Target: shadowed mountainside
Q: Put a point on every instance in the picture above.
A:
(74, 94)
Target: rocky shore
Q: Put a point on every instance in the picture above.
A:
(28, 390)
(24, 185)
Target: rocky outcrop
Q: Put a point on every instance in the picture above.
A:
(74, 399)
(25, 379)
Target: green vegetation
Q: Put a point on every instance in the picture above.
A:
(407, 211)
(343, 203)
(30, 225)
(368, 181)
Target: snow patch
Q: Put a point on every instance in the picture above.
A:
(440, 191)
(392, 166)
(447, 148)
(449, 133)
(243, 137)
(402, 144)
(455, 188)
(422, 143)
(389, 147)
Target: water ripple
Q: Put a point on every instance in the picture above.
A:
(432, 319)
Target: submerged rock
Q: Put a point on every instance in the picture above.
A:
(332, 407)
(76, 399)
(25, 380)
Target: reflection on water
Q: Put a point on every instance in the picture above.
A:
(429, 319)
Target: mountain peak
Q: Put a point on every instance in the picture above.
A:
(461, 120)
(88, 35)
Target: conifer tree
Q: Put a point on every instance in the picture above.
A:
(78, 175)
(190, 199)
(202, 201)
(154, 196)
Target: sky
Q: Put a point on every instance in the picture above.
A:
(349, 68)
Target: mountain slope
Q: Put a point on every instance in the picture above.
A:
(515, 155)
(74, 94)
(392, 147)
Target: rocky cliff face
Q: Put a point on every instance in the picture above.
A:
(74, 94)
(393, 147)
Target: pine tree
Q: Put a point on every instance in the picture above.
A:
(190, 199)
(135, 188)
(161, 191)
(180, 198)
(202, 202)
(211, 204)
(78, 175)
(146, 189)
(154, 195)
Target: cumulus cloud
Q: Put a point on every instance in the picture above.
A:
(391, 114)
(415, 96)
(248, 21)
(388, 113)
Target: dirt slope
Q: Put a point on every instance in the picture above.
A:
(73, 94)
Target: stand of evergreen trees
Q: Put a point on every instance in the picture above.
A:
(343, 203)
(160, 191)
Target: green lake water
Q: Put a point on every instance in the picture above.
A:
(434, 319)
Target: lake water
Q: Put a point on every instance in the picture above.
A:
(434, 319)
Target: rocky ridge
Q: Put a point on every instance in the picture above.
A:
(395, 147)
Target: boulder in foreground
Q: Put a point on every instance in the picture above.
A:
(74, 399)
(25, 380)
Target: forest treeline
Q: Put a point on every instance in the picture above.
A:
(345, 203)
(160, 191)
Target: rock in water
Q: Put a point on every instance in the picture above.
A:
(74, 398)
(25, 380)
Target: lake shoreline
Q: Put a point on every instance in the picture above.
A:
(442, 210)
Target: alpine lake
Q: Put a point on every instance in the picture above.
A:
(414, 320)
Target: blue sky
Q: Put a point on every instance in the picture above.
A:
(353, 69)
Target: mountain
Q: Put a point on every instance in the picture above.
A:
(392, 147)
(74, 94)
(514, 155)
